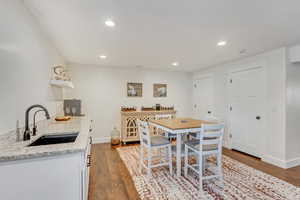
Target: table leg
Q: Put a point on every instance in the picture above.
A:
(178, 154)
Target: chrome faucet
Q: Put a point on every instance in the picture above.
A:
(27, 129)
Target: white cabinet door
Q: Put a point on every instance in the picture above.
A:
(247, 95)
(86, 171)
(203, 97)
(49, 178)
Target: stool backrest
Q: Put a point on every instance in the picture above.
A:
(143, 129)
(210, 118)
(212, 134)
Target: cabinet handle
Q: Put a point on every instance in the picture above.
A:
(91, 140)
(89, 161)
(91, 126)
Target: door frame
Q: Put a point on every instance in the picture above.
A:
(246, 67)
(202, 76)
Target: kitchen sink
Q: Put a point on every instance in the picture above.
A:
(55, 139)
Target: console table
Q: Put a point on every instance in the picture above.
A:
(129, 129)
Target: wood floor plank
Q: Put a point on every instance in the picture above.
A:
(291, 175)
(118, 189)
(99, 176)
(110, 179)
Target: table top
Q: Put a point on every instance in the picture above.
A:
(180, 123)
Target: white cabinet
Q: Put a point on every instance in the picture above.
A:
(59, 177)
(86, 171)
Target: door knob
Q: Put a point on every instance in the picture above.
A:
(209, 112)
(258, 117)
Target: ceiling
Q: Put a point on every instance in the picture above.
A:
(156, 33)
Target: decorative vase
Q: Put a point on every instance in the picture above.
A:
(115, 137)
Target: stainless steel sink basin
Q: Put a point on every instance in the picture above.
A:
(55, 139)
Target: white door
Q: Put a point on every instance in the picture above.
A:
(203, 99)
(247, 97)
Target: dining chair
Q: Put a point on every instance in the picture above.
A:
(208, 118)
(209, 144)
(166, 134)
(150, 143)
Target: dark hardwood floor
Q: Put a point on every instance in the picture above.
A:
(110, 179)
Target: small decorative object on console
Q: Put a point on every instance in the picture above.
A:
(167, 108)
(147, 108)
(128, 109)
(157, 107)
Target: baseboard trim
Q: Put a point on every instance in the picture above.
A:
(293, 162)
(101, 140)
(274, 161)
(285, 164)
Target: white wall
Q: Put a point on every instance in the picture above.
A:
(274, 62)
(293, 113)
(103, 91)
(25, 60)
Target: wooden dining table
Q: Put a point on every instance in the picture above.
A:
(180, 127)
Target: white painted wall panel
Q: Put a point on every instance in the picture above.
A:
(26, 56)
(293, 112)
(103, 91)
(275, 62)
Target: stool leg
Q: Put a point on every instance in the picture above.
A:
(141, 158)
(170, 159)
(149, 161)
(219, 162)
(200, 173)
(186, 160)
(203, 164)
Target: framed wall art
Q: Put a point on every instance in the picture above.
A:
(159, 90)
(134, 89)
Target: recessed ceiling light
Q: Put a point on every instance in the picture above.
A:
(103, 56)
(110, 23)
(222, 43)
(175, 63)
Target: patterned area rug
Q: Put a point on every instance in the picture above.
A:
(240, 182)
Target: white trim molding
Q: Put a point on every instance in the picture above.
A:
(101, 140)
(274, 161)
(293, 162)
(285, 164)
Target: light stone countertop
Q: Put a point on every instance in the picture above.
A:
(10, 150)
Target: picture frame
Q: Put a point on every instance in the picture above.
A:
(160, 90)
(134, 89)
